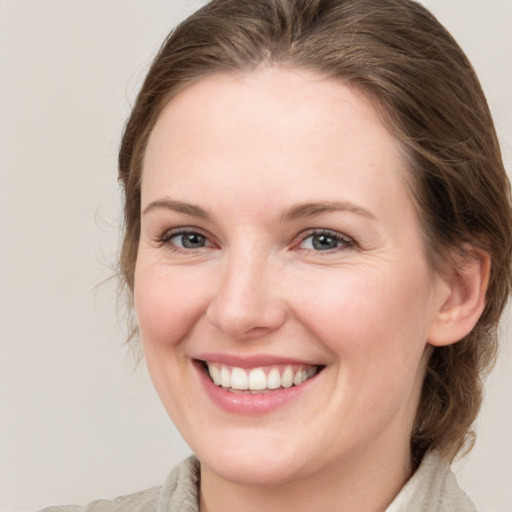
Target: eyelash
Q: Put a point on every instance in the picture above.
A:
(344, 242)
(167, 236)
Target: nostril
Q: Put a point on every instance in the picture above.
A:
(242, 321)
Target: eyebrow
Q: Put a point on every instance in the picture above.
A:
(295, 212)
(311, 209)
(178, 206)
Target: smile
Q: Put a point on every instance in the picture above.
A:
(260, 379)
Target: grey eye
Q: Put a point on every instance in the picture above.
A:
(324, 242)
(189, 240)
(321, 242)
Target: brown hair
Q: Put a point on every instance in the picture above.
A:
(401, 56)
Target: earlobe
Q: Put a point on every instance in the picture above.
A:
(461, 307)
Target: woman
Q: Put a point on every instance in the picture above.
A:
(318, 251)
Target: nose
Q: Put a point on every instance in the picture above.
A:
(247, 304)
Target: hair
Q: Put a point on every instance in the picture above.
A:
(406, 62)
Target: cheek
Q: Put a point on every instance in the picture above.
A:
(374, 325)
(167, 304)
(378, 314)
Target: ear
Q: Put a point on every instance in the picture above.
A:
(463, 298)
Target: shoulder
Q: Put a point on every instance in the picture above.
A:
(433, 488)
(143, 501)
(179, 493)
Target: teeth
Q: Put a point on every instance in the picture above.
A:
(239, 379)
(215, 375)
(273, 379)
(287, 378)
(225, 378)
(258, 380)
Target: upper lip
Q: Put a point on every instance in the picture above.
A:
(251, 361)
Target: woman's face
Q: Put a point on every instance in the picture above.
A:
(280, 249)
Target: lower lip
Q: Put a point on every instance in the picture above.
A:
(249, 404)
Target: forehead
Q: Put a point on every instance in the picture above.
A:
(272, 97)
(281, 130)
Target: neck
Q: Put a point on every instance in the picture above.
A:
(362, 483)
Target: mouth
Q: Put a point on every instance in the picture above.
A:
(258, 380)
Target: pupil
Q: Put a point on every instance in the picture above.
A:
(193, 240)
(323, 242)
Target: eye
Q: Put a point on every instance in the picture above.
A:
(184, 240)
(325, 240)
(188, 240)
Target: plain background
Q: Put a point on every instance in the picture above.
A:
(77, 420)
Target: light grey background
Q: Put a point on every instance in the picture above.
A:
(76, 420)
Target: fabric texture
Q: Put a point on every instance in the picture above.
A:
(433, 488)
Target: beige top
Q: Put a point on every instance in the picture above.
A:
(432, 488)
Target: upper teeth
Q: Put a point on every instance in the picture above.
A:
(259, 379)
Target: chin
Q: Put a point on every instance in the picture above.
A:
(258, 458)
(255, 471)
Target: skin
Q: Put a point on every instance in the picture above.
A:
(246, 149)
